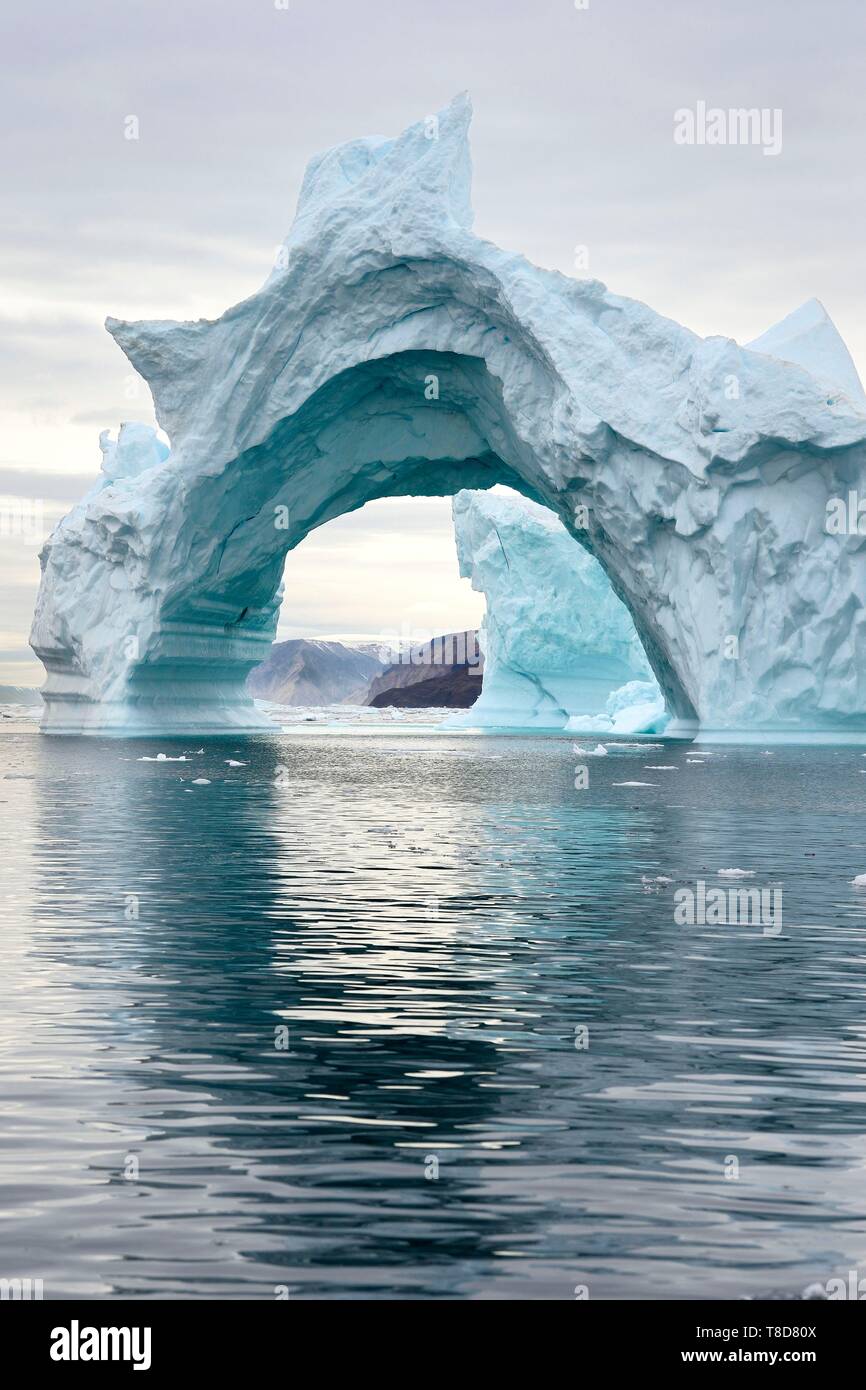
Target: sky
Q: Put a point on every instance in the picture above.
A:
(573, 147)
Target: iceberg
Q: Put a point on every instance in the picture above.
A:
(636, 708)
(392, 352)
(560, 649)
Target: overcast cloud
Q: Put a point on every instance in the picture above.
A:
(572, 145)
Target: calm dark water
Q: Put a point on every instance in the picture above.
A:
(434, 920)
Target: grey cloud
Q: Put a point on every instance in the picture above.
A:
(59, 487)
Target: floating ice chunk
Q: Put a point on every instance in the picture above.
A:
(859, 881)
(635, 784)
(637, 707)
(232, 762)
(644, 747)
(630, 709)
(660, 767)
(599, 751)
(201, 781)
(163, 758)
(736, 873)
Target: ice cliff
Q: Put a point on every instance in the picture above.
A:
(392, 352)
(558, 644)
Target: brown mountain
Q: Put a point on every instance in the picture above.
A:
(445, 672)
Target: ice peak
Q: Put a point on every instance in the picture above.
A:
(434, 152)
(809, 338)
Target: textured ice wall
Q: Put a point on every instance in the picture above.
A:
(393, 352)
(558, 643)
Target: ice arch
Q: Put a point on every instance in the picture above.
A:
(392, 351)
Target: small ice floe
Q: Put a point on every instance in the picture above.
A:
(859, 881)
(659, 878)
(163, 758)
(736, 873)
(660, 767)
(201, 781)
(635, 784)
(645, 747)
(699, 761)
(599, 751)
(232, 762)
